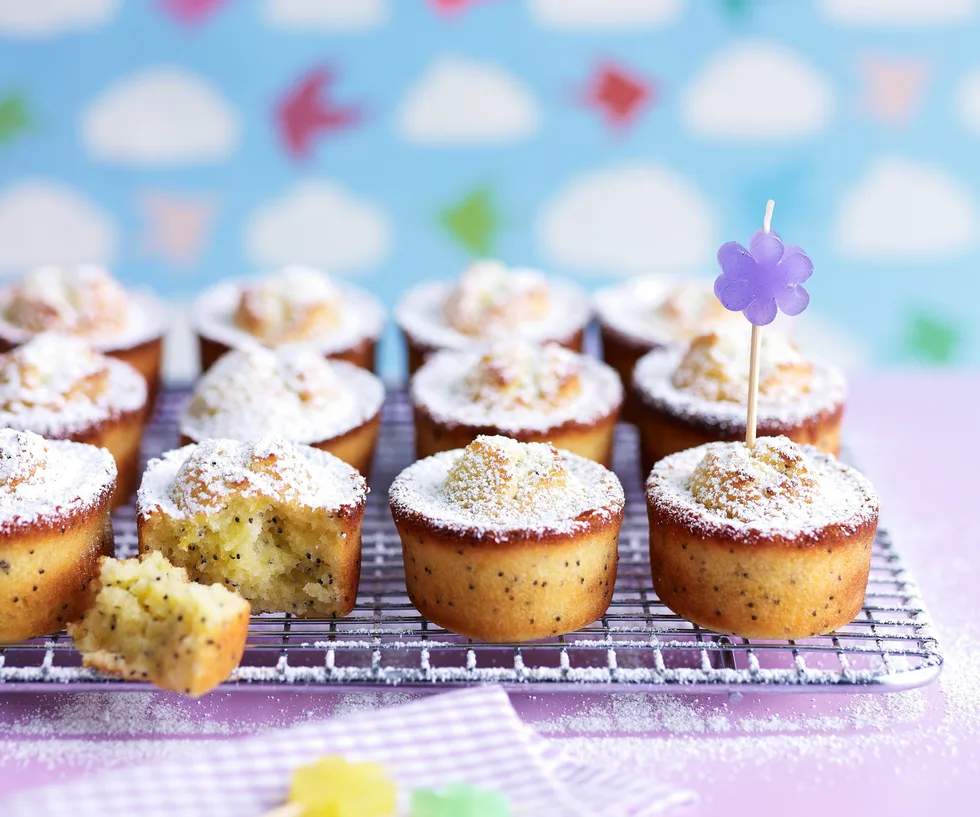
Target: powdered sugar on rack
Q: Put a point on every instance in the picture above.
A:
(638, 645)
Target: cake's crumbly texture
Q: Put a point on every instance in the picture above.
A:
(78, 300)
(293, 305)
(499, 478)
(744, 483)
(274, 521)
(489, 299)
(282, 558)
(523, 375)
(716, 367)
(149, 622)
(687, 308)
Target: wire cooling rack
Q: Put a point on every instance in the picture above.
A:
(638, 645)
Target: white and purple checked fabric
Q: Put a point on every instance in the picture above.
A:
(473, 735)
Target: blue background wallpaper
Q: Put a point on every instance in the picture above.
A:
(181, 141)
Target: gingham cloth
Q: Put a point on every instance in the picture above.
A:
(473, 736)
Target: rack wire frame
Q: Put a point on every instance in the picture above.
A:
(638, 645)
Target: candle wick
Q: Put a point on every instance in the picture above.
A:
(768, 219)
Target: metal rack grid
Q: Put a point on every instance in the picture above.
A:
(638, 645)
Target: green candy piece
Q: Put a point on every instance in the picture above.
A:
(459, 800)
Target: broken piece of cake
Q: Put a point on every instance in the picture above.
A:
(149, 622)
(277, 522)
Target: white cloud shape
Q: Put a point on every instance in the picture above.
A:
(332, 15)
(898, 13)
(47, 222)
(459, 101)
(162, 115)
(757, 91)
(588, 15)
(627, 219)
(967, 101)
(321, 224)
(48, 18)
(901, 210)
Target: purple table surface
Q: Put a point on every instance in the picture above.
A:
(915, 752)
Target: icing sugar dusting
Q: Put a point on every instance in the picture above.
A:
(421, 315)
(497, 485)
(57, 386)
(805, 388)
(715, 367)
(200, 478)
(516, 386)
(361, 317)
(84, 301)
(779, 488)
(295, 304)
(505, 480)
(81, 300)
(490, 299)
(45, 479)
(659, 310)
(767, 481)
(293, 389)
(718, 747)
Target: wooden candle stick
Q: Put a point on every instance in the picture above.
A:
(750, 419)
(759, 282)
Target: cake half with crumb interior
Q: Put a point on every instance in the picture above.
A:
(772, 541)
(519, 390)
(148, 622)
(55, 500)
(278, 523)
(508, 541)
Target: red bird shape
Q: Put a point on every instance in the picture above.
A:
(618, 93)
(305, 112)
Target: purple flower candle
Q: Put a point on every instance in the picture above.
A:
(759, 282)
(764, 278)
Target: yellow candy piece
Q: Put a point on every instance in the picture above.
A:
(332, 787)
